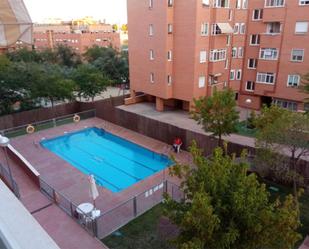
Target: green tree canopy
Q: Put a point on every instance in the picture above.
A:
(281, 130)
(217, 113)
(90, 81)
(227, 208)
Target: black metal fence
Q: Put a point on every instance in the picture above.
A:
(113, 219)
(8, 179)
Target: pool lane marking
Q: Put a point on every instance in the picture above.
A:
(140, 164)
(109, 164)
(68, 159)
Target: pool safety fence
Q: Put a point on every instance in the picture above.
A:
(115, 218)
(47, 124)
(9, 180)
(127, 211)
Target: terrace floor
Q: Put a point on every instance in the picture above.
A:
(72, 183)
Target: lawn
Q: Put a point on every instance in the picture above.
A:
(243, 130)
(147, 231)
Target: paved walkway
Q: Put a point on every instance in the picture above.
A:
(63, 230)
(181, 119)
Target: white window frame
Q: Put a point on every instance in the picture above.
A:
(274, 3)
(151, 30)
(151, 54)
(170, 3)
(201, 81)
(204, 29)
(152, 78)
(252, 84)
(293, 83)
(205, 2)
(170, 28)
(203, 56)
(303, 2)
(306, 27)
(269, 54)
(260, 14)
(240, 52)
(255, 63)
(217, 55)
(169, 55)
(242, 28)
(232, 74)
(169, 80)
(218, 4)
(238, 75)
(234, 52)
(266, 76)
(150, 4)
(258, 39)
(297, 49)
(236, 28)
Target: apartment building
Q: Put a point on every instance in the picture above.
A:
(77, 37)
(184, 49)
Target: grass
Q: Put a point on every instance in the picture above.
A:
(243, 130)
(141, 233)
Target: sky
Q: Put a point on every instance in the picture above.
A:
(114, 11)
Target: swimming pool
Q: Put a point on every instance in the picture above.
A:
(115, 162)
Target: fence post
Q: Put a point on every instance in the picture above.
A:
(172, 192)
(134, 206)
(71, 208)
(165, 186)
(54, 122)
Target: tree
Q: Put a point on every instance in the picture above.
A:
(217, 113)
(67, 57)
(52, 84)
(225, 207)
(111, 63)
(90, 81)
(305, 85)
(282, 131)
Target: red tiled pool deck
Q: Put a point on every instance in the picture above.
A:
(73, 184)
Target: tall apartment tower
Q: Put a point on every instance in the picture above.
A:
(184, 49)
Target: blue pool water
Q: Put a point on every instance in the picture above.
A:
(115, 162)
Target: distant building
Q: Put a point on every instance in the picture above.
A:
(78, 34)
(185, 49)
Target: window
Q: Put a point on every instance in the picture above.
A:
(238, 74)
(266, 78)
(151, 55)
(301, 27)
(257, 14)
(151, 29)
(285, 104)
(151, 77)
(228, 40)
(250, 86)
(234, 52)
(293, 80)
(226, 64)
(217, 55)
(242, 28)
(303, 2)
(245, 4)
(170, 28)
(273, 28)
(169, 55)
(150, 4)
(274, 3)
(201, 81)
(268, 53)
(236, 28)
(232, 75)
(205, 2)
(169, 79)
(204, 29)
(297, 55)
(203, 56)
(215, 29)
(240, 52)
(221, 3)
(170, 3)
(252, 63)
(255, 40)
(238, 4)
(230, 15)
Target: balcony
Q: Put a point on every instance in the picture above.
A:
(263, 89)
(274, 14)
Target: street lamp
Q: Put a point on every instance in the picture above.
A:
(4, 143)
(248, 102)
